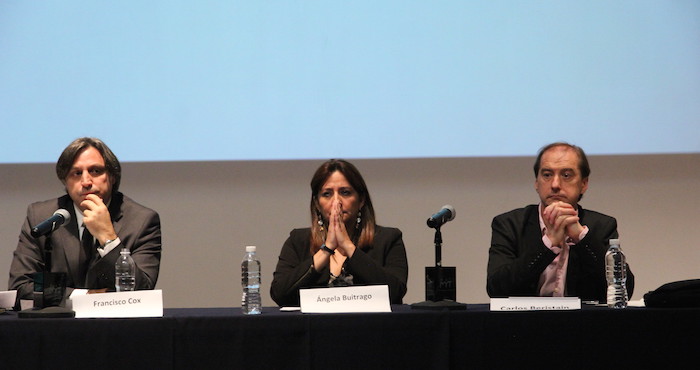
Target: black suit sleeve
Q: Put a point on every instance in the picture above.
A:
(28, 258)
(383, 263)
(143, 240)
(515, 260)
(294, 269)
(586, 277)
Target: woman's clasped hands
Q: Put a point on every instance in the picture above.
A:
(337, 237)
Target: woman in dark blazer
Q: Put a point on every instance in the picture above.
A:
(344, 246)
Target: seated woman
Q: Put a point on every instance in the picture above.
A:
(344, 246)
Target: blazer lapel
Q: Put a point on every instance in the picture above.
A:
(66, 243)
(532, 232)
(115, 211)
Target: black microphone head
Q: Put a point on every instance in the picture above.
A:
(445, 214)
(59, 218)
(64, 213)
(453, 213)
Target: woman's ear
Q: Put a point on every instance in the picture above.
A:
(317, 206)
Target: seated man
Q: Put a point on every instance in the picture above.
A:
(555, 248)
(102, 222)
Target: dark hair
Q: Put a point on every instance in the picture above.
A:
(353, 176)
(582, 159)
(67, 158)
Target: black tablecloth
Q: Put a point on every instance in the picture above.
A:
(187, 338)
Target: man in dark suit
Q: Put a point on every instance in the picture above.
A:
(555, 248)
(102, 222)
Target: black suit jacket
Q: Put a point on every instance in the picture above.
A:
(518, 256)
(138, 229)
(384, 262)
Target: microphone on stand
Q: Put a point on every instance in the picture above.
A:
(440, 281)
(59, 218)
(444, 215)
(49, 287)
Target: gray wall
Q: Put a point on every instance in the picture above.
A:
(211, 210)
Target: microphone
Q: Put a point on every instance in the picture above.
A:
(60, 217)
(444, 215)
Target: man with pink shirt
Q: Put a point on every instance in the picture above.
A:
(554, 248)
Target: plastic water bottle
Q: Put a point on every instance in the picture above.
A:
(616, 274)
(124, 272)
(250, 281)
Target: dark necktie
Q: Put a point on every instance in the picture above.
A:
(86, 254)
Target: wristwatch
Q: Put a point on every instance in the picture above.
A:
(107, 242)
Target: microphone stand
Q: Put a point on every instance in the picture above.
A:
(438, 302)
(50, 280)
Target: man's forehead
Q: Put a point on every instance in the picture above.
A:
(89, 162)
(559, 158)
(558, 168)
(95, 160)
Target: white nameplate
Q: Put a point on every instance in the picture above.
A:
(535, 304)
(139, 303)
(370, 298)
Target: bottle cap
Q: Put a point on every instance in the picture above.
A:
(250, 248)
(614, 242)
